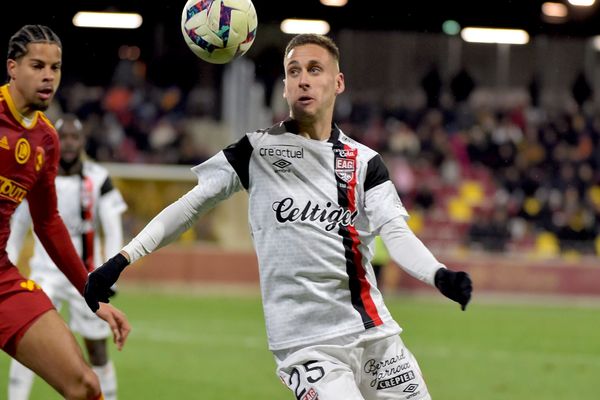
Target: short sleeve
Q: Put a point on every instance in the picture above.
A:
(382, 202)
(238, 156)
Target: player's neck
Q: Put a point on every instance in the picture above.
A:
(21, 105)
(73, 167)
(316, 130)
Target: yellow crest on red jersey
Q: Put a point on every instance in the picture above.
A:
(22, 151)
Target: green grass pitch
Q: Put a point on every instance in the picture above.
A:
(186, 344)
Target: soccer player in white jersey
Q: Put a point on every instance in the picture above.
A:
(87, 200)
(317, 199)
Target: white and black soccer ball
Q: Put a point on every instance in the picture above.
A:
(218, 31)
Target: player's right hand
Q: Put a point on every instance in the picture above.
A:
(98, 286)
(117, 321)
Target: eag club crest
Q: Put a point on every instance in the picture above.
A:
(345, 164)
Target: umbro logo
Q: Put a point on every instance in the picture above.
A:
(411, 388)
(282, 164)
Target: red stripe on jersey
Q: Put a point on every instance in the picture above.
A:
(87, 204)
(365, 286)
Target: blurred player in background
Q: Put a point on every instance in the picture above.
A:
(87, 200)
(317, 199)
(31, 330)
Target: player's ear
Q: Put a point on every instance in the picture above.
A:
(340, 84)
(10, 68)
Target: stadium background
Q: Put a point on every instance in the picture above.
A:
(494, 149)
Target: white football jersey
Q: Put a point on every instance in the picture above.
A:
(86, 202)
(315, 208)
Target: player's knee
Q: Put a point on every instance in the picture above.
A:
(84, 387)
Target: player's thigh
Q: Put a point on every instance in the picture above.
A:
(83, 321)
(390, 372)
(315, 376)
(50, 350)
(21, 303)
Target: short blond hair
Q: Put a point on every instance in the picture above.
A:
(312, 38)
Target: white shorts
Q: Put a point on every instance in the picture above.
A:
(380, 369)
(60, 291)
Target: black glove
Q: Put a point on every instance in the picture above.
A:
(456, 286)
(100, 281)
(112, 292)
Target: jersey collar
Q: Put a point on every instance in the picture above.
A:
(290, 125)
(15, 113)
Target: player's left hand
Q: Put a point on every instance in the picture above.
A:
(456, 286)
(112, 291)
(117, 321)
(100, 281)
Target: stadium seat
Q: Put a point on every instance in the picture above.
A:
(472, 192)
(547, 245)
(415, 222)
(594, 194)
(459, 210)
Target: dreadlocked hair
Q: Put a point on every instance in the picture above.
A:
(17, 45)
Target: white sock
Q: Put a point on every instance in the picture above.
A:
(19, 382)
(108, 380)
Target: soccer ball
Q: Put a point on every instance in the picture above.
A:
(218, 31)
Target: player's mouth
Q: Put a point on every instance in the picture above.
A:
(305, 100)
(69, 155)
(45, 94)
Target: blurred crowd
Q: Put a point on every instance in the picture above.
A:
(495, 178)
(143, 124)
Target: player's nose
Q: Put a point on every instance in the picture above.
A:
(49, 74)
(303, 80)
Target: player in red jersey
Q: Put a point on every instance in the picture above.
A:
(31, 331)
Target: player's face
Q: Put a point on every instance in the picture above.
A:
(312, 82)
(71, 141)
(35, 76)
